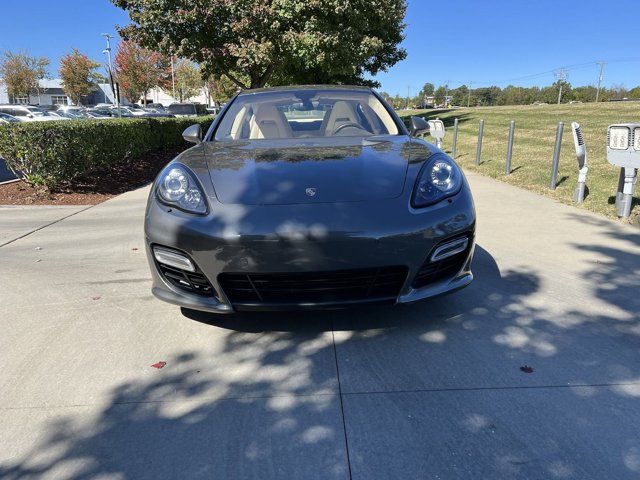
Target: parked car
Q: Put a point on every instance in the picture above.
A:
(26, 113)
(187, 109)
(157, 106)
(308, 197)
(56, 115)
(6, 118)
(96, 114)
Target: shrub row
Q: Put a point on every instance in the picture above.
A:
(54, 153)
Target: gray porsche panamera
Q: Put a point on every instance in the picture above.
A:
(308, 197)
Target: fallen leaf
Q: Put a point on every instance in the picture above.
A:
(97, 297)
(526, 369)
(135, 249)
(159, 365)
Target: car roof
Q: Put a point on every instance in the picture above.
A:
(305, 87)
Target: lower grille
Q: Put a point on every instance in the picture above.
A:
(432, 272)
(192, 282)
(314, 287)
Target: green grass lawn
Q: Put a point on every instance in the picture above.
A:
(533, 146)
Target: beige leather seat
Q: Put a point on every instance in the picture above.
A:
(341, 113)
(269, 122)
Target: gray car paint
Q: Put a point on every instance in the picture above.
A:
(264, 222)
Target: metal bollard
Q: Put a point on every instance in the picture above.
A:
(479, 148)
(512, 129)
(556, 156)
(455, 138)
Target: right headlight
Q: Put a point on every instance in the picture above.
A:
(438, 179)
(178, 187)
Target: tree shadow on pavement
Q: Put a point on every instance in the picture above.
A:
(266, 403)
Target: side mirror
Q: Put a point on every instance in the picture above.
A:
(193, 134)
(419, 126)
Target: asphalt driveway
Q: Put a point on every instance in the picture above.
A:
(433, 390)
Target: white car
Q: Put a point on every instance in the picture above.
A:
(27, 113)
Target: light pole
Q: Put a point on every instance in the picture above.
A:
(173, 80)
(600, 77)
(113, 87)
(446, 91)
(562, 76)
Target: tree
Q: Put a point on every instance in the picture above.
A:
(284, 41)
(78, 75)
(138, 70)
(634, 93)
(188, 79)
(220, 89)
(427, 90)
(21, 73)
(439, 95)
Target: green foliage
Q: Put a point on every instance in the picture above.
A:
(138, 70)
(21, 72)
(78, 75)
(54, 153)
(275, 42)
(512, 95)
(188, 79)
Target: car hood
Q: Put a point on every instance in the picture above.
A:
(319, 170)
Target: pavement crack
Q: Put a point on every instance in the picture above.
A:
(478, 389)
(344, 423)
(45, 226)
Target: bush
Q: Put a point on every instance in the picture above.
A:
(54, 153)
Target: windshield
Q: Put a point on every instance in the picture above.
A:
(36, 112)
(305, 114)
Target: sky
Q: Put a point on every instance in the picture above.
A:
(490, 42)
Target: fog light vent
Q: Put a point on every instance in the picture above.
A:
(181, 272)
(450, 249)
(173, 259)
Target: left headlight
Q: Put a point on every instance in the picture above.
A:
(178, 187)
(439, 178)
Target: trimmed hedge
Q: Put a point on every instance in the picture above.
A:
(53, 153)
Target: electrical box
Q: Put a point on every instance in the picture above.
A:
(436, 129)
(623, 150)
(623, 145)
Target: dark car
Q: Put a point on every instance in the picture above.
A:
(187, 109)
(308, 197)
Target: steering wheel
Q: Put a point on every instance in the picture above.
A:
(345, 125)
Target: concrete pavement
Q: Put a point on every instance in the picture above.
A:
(19, 220)
(432, 390)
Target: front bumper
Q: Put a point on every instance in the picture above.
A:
(309, 238)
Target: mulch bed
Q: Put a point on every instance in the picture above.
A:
(94, 187)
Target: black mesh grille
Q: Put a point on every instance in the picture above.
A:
(432, 272)
(314, 287)
(192, 282)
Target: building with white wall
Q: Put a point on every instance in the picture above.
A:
(49, 93)
(52, 93)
